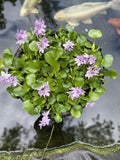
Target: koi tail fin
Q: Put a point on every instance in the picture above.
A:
(115, 4)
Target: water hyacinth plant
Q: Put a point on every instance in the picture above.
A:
(55, 72)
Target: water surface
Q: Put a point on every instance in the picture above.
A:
(99, 125)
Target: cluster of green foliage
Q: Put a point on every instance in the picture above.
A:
(58, 67)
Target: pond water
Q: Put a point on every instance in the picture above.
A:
(99, 125)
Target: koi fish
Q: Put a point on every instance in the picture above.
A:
(85, 11)
(115, 22)
(29, 7)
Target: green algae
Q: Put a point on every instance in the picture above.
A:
(30, 154)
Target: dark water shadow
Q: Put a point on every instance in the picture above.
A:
(2, 17)
(19, 138)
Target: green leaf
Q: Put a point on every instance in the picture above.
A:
(30, 79)
(75, 113)
(33, 46)
(32, 67)
(79, 82)
(27, 105)
(72, 35)
(19, 91)
(31, 112)
(51, 100)
(7, 57)
(30, 36)
(94, 33)
(8, 51)
(100, 90)
(10, 90)
(1, 63)
(82, 39)
(93, 96)
(57, 118)
(61, 97)
(18, 62)
(53, 55)
(78, 108)
(107, 60)
(37, 109)
(69, 27)
(62, 74)
(36, 85)
(88, 44)
(56, 66)
(112, 74)
(59, 108)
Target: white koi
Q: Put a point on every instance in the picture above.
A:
(29, 7)
(85, 11)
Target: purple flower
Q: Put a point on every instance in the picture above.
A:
(90, 104)
(68, 45)
(44, 90)
(8, 79)
(39, 28)
(79, 60)
(92, 59)
(76, 92)
(21, 36)
(85, 59)
(45, 120)
(44, 43)
(13, 80)
(92, 71)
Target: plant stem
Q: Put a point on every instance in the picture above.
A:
(48, 142)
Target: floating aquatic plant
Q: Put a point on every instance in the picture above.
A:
(55, 72)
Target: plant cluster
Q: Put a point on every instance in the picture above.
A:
(55, 72)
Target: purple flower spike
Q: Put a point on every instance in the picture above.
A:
(21, 36)
(92, 59)
(68, 45)
(92, 71)
(44, 90)
(44, 43)
(90, 104)
(8, 79)
(45, 120)
(76, 92)
(14, 80)
(85, 59)
(39, 28)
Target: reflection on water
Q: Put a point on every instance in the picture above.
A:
(101, 130)
(18, 137)
(99, 133)
(2, 18)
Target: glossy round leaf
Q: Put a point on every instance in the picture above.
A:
(27, 105)
(93, 96)
(100, 90)
(30, 79)
(79, 81)
(94, 33)
(62, 97)
(7, 57)
(107, 60)
(33, 46)
(69, 27)
(19, 91)
(57, 118)
(77, 108)
(112, 74)
(76, 114)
